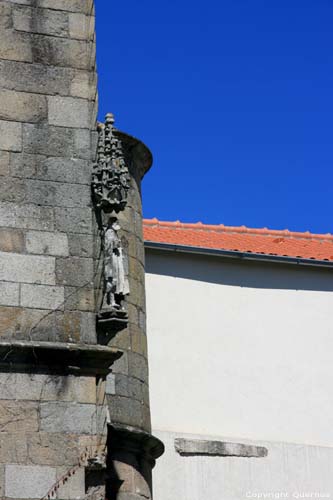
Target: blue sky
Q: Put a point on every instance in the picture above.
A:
(235, 100)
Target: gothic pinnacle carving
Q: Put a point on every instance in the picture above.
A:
(110, 178)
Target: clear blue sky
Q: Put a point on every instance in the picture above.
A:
(235, 100)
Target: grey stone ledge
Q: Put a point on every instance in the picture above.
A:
(192, 447)
(61, 356)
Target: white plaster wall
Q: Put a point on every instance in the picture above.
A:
(241, 350)
(289, 471)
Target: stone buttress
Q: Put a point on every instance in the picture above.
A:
(69, 428)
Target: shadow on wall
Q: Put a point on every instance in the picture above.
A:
(249, 274)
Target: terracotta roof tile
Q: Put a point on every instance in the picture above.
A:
(241, 239)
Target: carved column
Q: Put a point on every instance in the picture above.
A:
(121, 318)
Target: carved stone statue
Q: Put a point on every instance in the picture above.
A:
(116, 282)
(110, 185)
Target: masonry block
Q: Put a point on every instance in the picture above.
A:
(47, 387)
(34, 166)
(83, 85)
(82, 299)
(69, 112)
(22, 106)
(42, 296)
(73, 220)
(11, 240)
(36, 78)
(12, 190)
(43, 21)
(81, 245)
(18, 416)
(10, 135)
(74, 488)
(84, 6)
(26, 216)
(28, 481)
(15, 46)
(5, 15)
(9, 293)
(47, 243)
(4, 162)
(74, 271)
(61, 51)
(27, 268)
(81, 26)
(68, 418)
(46, 140)
(55, 449)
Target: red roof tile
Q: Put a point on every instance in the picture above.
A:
(241, 239)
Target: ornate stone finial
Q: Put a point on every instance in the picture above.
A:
(110, 178)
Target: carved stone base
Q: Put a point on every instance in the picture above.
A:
(112, 319)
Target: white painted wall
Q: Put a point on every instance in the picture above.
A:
(288, 472)
(241, 350)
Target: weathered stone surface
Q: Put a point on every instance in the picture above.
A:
(28, 481)
(69, 112)
(72, 170)
(88, 328)
(68, 418)
(9, 294)
(82, 142)
(52, 449)
(11, 240)
(83, 85)
(12, 190)
(74, 488)
(126, 411)
(10, 135)
(130, 387)
(56, 193)
(47, 243)
(18, 416)
(218, 448)
(60, 51)
(84, 6)
(74, 271)
(81, 26)
(26, 216)
(137, 366)
(4, 162)
(2, 481)
(19, 323)
(80, 299)
(43, 21)
(110, 387)
(21, 106)
(43, 139)
(121, 365)
(13, 447)
(5, 15)
(36, 78)
(81, 245)
(138, 340)
(42, 296)
(27, 268)
(47, 387)
(73, 220)
(15, 46)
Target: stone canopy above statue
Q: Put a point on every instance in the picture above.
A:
(110, 180)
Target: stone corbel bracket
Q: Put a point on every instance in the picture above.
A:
(195, 447)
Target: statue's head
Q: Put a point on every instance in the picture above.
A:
(114, 224)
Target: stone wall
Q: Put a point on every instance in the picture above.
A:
(47, 113)
(53, 416)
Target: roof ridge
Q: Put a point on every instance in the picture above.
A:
(285, 233)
